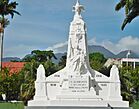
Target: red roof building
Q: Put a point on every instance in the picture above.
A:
(14, 67)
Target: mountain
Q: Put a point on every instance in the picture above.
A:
(123, 54)
(8, 59)
(97, 48)
(91, 49)
(58, 56)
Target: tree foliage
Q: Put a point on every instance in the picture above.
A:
(36, 58)
(62, 62)
(131, 10)
(97, 60)
(7, 8)
(40, 56)
(10, 84)
(130, 83)
(27, 90)
(21, 86)
(5, 22)
(29, 71)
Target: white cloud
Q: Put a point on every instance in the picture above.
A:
(59, 47)
(125, 43)
(92, 41)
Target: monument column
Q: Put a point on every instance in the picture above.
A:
(77, 55)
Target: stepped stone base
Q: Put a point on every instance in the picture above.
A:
(73, 107)
(78, 103)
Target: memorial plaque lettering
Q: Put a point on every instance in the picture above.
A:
(78, 83)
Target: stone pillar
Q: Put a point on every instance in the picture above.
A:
(121, 63)
(40, 84)
(115, 87)
(134, 64)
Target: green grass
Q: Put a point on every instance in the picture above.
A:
(20, 105)
(135, 105)
(9, 105)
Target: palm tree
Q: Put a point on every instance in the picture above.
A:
(6, 8)
(131, 10)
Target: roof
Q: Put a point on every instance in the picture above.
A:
(130, 59)
(14, 67)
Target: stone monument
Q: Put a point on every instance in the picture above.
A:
(77, 85)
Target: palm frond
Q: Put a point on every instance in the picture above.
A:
(4, 22)
(131, 10)
(13, 5)
(12, 14)
(120, 5)
(127, 7)
(8, 8)
(130, 17)
(16, 12)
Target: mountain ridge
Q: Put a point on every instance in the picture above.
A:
(92, 49)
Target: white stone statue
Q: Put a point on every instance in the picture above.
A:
(77, 55)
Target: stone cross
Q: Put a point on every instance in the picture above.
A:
(78, 8)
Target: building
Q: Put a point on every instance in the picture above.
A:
(113, 61)
(130, 62)
(124, 58)
(134, 62)
(14, 67)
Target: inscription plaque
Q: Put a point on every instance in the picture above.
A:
(78, 83)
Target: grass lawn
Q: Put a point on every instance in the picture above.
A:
(135, 105)
(20, 105)
(10, 105)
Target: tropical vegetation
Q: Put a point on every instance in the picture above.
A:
(131, 10)
(130, 83)
(24, 88)
(7, 8)
(33, 60)
(97, 60)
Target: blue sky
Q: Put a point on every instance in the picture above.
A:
(44, 24)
